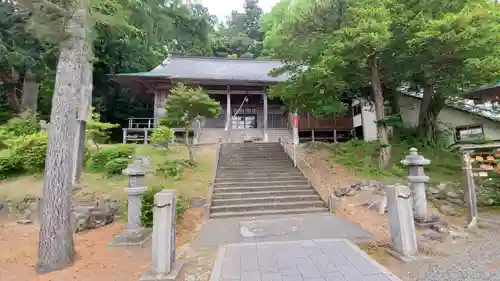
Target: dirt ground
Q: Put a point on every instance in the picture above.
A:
(18, 249)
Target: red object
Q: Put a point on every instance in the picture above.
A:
(296, 121)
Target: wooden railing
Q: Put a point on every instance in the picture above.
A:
(143, 123)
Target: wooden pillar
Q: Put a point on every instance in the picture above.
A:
(264, 96)
(124, 136)
(145, 136)
(229, 114)
(335, 136)
(312, 134)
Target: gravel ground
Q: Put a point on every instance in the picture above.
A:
(474, 259)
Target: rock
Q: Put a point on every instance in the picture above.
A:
(441, 186)
(339, 192)
(433, 235)
(433, 191)
(440, 228)
(457, 201)
(24, 221)
(452, 194)
(447, 210)
(93, 216)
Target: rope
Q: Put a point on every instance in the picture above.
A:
(162, 206)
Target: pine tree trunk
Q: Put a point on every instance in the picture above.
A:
(423, 115)
(378, 99)
(190, 151)
(29, 99)
(56, 247)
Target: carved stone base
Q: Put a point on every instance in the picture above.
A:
(400, 256)
(428, 222)
(130, 238)
(177, 274)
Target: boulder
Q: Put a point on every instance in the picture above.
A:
(447, 210)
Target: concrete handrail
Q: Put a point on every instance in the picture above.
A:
(291, 151)
(208, 201)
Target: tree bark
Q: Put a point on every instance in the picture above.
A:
(378, 99)
(423, 114)
(56, 246)
(29, 98)
(190, 151)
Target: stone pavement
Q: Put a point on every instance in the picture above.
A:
(300, 260)
(216, 232)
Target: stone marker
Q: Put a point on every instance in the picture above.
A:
(402, 228)
(418, 182)
(164, 267)
(134, 234)
(470, 191)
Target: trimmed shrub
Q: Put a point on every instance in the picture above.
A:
(100, 158)
(148, 203)
(9, 164)
(30, 151)
(116, 166)
(173, 168)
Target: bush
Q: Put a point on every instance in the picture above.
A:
(100, 159)
(30, 151)
(173, 168)
(162, 134)
(148, 204)
(9, 164)
(22, 125)
(116, 166)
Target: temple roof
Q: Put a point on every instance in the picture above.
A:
(214, 69)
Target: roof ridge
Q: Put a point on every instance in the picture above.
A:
(224, 58)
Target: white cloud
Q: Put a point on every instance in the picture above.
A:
(222, 8)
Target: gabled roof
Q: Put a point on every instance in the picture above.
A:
(215, 69)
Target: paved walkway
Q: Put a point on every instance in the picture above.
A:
(299, 260)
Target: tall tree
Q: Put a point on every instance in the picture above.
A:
(444, 48)
(184, 105)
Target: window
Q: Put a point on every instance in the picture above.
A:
(469, 132)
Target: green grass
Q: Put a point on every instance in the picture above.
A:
(192, 184)
(362, 157)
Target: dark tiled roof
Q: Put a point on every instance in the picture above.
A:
(223, 69)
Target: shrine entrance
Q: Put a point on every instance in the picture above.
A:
(245, 119)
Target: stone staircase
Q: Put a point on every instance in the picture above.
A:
(259, 179)
(211, 135)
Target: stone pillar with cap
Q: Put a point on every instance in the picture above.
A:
(418, 182)
(164, 266)
(134, 234)
(403, 235)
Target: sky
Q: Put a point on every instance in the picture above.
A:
(222, 8)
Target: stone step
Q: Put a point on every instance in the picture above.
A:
(267, 157)
(267, 212)
(235, 169)
(256, 194)
(262, 183)
(255, 163)
(256, 166)
(259, 200)
(268, 206)
(258, 179)
(252, 155)
(249, 189)
(257, 174)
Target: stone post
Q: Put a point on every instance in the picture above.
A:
(134, 234)
(164, 267)
(403, 236)
(264, 97)
(469, 187)
(418, 181)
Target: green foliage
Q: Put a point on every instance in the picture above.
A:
(184, 104)
(162, 134)
(148, 205)
(98, 131)
(361, 157)
(173, 168)
(116, 166)
(9, 164)
(100, 159)
(22, 125)
(31, 151)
